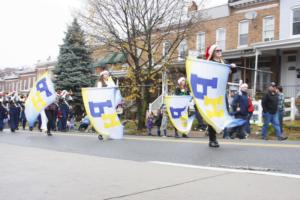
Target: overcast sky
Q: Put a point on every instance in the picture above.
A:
(31, 30)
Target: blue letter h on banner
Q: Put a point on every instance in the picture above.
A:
(195, 81)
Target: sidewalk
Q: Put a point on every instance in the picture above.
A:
(32, 173)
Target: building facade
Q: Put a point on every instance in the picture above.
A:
(286, 48)
(22, 80)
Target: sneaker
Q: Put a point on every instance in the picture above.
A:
(282, 138)
(214, 144)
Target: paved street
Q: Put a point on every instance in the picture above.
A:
(78, 166)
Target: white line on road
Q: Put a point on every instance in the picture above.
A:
(227, 169)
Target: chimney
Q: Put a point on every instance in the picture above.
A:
(193, 7)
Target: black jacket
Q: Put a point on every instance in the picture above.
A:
(269, 103)
(181, 93)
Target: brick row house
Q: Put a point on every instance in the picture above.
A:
(23, 80)
(238, 26)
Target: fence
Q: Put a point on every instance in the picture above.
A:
(290, 111)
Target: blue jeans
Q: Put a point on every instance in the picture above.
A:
(280, 117)
(271, 118)
(247, 125)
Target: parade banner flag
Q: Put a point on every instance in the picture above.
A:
(100, 106)
(207, 81)
(41, 95)
(177, 108)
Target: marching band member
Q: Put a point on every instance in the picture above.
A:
(214, 53)
(181, 90)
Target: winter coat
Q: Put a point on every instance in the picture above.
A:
(269, 103)
(164, 121)
(150, 120)
(240, 101)
(178, 91)
(158, 119)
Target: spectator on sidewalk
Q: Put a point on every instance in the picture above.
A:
(158, 121)
(280, 107)
(240, 109)
(85, 122)
(164, 121)
(270, 112)
(150, 122)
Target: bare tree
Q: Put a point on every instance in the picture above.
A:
(139, 28)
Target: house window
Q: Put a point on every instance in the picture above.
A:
(221, 38)
(166, 48)
(296, 21)
(243, 33)
(268, 29)
(25, 84)
(201, 42)
(291, 58)
(182, 49)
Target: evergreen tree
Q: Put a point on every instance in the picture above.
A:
(73, 70)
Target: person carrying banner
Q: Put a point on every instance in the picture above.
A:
(50, 112)
(214, 53)
(181, 90)
(105, 80)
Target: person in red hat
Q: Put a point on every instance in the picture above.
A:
(214, 53)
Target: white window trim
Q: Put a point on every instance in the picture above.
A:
(184, 40)
(25, 83)
(224, 34)
(245, 45)
(197, 41)
(164, 48)
(291, 22)
(269, 16)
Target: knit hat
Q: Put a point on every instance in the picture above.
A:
(104, 72)
(209, 51)
(180, 80)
